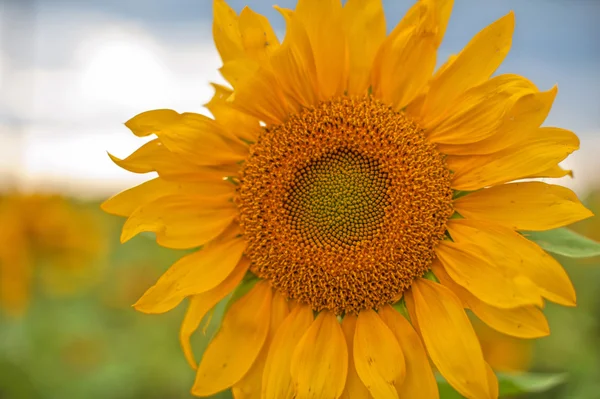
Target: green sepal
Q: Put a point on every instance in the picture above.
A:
(401, 308)
(430, 276)
(511, 384)
(565, 242)
(459, 193)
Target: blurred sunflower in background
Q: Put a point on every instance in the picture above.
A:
(47, 238)
(356, 201)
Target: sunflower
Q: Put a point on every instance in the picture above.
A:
(46, 237)
(360, 200)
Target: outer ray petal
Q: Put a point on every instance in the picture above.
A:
(271, 107)
(354, 389)
(181, 221)
(554, 172)
(477, 113)
(526, 114)
(522, 322)
(193, 274)
(226, 31)
(195, 137)
(473, 65)
(377, 355)
(407, 58)
(234, 349)
(234, 122)
(320, 361)
(125, 203)
(239, 70)
(415, 107)
(532, 206)
(364, 22)
(493, 387)
(419, 382)
(323, 22)
(277, 379)
(257, 35)
(490, 283)
(525, 256)
(202, 303)
(155, 157)
(449, 338)
(250, 386)
(294, 64)
(540, 152)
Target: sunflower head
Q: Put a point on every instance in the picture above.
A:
(357, 200)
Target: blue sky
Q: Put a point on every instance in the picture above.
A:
(74, 70)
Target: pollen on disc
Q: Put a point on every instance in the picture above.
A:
(343, 204)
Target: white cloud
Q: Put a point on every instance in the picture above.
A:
(68, 117)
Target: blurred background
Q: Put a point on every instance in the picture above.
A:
(72, 71)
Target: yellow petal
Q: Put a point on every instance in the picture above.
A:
(145, 124)
(324, 26)
(123, 204)
(202, 303)
(493, 284)
(415, 107)
(493, 387)
(525, 256)
(526, 114)
(542, 151)
(553, 172)
(238, 70)
(193, 274)
(141, 160)
(407, 58)
(234, 349)
(293, 63)
(473, 65)
(271, 106)
(250, 386)
(277, 379)
(226, 31)
(320, 361)
(354, 389)
(449, 338)
(377, 355)
(524, 206)
(234, 122)
(181, 221)
(477, 113)
(195, 137)
(523, 322)
(419, 381)
(258, 38)
(364, 22)
(155, 157)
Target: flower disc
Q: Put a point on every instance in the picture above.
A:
(343, 204)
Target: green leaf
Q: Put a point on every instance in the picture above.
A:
(514, 384)
(564, 242)
(511, 384)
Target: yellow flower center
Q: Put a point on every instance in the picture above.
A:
(343, 204)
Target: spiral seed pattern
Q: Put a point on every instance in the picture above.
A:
(338, 199)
